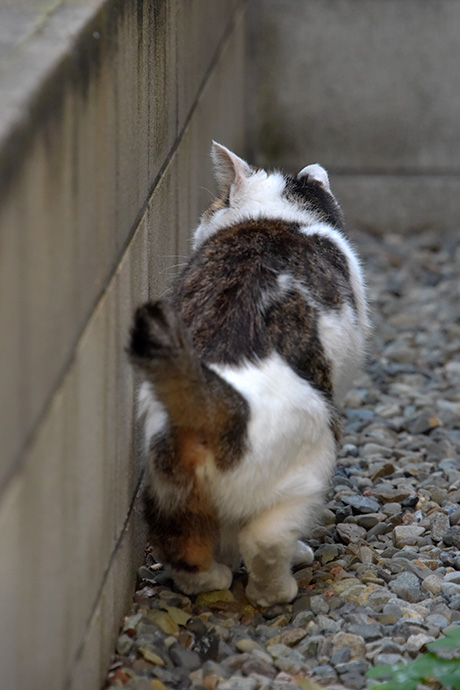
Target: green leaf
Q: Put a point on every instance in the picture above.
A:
(402, 677)
(426, 665)
(382, 671)
(448, 673)
(450, 641)
(425, 669)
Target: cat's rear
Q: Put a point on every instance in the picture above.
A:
(244, 367)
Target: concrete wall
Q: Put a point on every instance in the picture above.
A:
(369, 89)
(107, 111)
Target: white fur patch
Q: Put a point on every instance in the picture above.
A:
(288, 283)
(343, 344)
(284, 284)
(153, 412)
(262, 197)
(291, 448)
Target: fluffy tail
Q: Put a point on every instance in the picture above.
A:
(196, 399)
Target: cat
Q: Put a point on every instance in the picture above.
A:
(244, 367)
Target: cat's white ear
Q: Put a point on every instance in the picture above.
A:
(228, 167)
(316, 173)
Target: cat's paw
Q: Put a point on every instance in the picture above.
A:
(272, 595)
(221, 577)
(218, 576)
(303, 554)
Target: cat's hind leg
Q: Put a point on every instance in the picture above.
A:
(269, 546)
(184, 540)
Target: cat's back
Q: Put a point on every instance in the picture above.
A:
(257, 261)
(263, 286)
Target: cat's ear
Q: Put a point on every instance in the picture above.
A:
(315, 173)
(228, 167)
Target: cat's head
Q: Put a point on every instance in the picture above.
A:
(246, 192)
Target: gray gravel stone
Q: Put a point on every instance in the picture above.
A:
(238, 683)
(184, 658)
(341, 656)
(326, 553)
(407, 535)
(437, 621)
(368, 631)
(289, 664)
(452, 537)
(319, 604)
(358, 667)
(246, 644)
(324, 671)
(327, 625)
(278, 650)
(350, 533)
(439, 526)
(452, 577)
(390, 659)
(426, 421)
(450, 588)
(391, 509)
(415, 642)
(259, 667)
(369, 520)
(378, 599)
(432, 584)
(390, 494)
(211, 668)
(391, 614)
(362, 504)
(355, 643)
(375, 449)
(406, 586)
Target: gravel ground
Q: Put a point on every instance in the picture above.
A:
(386, 575)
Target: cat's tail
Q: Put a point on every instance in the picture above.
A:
(196, 399)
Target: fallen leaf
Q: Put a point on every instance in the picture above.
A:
(178, 615)
(151, 657)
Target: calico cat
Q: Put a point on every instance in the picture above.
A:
(243, 369)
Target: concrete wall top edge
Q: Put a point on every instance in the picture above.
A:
(56, 43)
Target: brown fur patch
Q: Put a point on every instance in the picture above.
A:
(221, 202)
(193, 450)
(199, 551)
(183, 538)
(336, 424)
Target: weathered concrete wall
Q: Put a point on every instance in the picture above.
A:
(369, 89)
(107, 111)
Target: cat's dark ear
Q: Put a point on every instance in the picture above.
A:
(228, 168)
(315, 173)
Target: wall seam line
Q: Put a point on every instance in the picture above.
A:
(100, 591)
